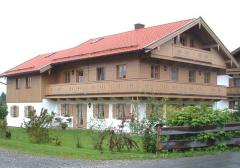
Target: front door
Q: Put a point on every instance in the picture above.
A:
(80, 115)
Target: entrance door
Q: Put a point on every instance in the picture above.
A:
(80, 115)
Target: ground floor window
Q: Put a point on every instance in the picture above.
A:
(65, 110)
(120, 111)
(80, 114)
(14, 111)
(28, 111)
(100, 111)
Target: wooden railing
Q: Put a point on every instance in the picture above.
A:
(192, 54)
(138, 86)
(233, 91)
(174, 132)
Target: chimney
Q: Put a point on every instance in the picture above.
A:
(139, 26)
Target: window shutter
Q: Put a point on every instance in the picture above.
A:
(148, 110)
(11, 111)
(17, 111)
(127, 110)
(106, 110)
(95, 111)
(26, 111)
(114, 110)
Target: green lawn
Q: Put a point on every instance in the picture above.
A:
(20, 142)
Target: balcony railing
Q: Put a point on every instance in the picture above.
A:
(138, 86)
(233, 91)
(192, 54)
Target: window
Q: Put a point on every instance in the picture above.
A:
(236, 82)
(207, 77)
(121, 71)
(14, 112)
(18, 80)
(174, 73)
(29, 110)
(175, 40)
(100, 111)
(182, 40)
(67, 77)
(100, 73)
(155, 71)
(65, 110)
(28, 82)
(80, 76)
(192, 76)
(191, 43)
(120, 111)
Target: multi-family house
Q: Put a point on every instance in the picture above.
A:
(112, 77)
(233, 91)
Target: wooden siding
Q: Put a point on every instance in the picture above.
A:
(23, 94)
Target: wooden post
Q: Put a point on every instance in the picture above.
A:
(158, 142)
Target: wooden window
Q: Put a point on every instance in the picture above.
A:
(14, 111)
(18, 80)
(207, 77)
(155, 71)
(28, 82)
(67, 77)
(191, 43)
(65, 110)
(121, 71)
(175, 40)
(120, 111)
(80, 76)
(192, 76)
(80, 114)
(236, 82)
(100, 111)
(182, 40)
(29, 110)
(100, 73)
(174, 73)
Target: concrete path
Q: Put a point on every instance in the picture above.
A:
(10, 159)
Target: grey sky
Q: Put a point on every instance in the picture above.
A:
(32, 27)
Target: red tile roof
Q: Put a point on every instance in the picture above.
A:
(107, 45)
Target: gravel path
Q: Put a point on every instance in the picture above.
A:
(10, 159)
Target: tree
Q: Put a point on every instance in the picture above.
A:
(3, 106)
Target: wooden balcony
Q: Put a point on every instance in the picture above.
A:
(233, 91)
(192, 54)
(138, 87)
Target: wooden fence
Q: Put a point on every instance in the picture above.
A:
(173, 132)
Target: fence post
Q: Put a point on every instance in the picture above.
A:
(158, 142)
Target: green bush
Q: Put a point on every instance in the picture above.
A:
(63, 125)
(37, 127)
(195, 116)
(3, 127)
(3, 111)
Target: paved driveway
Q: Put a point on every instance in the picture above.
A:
(9, 159)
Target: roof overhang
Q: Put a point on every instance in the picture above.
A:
(200, 22)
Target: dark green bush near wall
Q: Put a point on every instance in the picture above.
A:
(195, 116)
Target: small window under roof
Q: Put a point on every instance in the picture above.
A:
(96, 40)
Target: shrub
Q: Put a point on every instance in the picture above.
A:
(195, 116)
(63, 125)
(3, 127)
(57, 140)
(3, 111)
(37, 127)
(78, 142)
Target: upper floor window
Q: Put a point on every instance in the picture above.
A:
(14, 111)
(28, 82)
(192, 76)
(100, 111)
(207, 77)
(174, 73)
(120, 111)
(182, 40)
(192, 43)
(80, 76)
(65, 110)
(121, 71)
(67, 77)
(28, 111)
(18, 80)
(155, 71)
(100, 73)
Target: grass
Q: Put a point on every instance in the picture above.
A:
(68, 150)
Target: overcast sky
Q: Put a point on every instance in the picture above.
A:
(32, 27)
